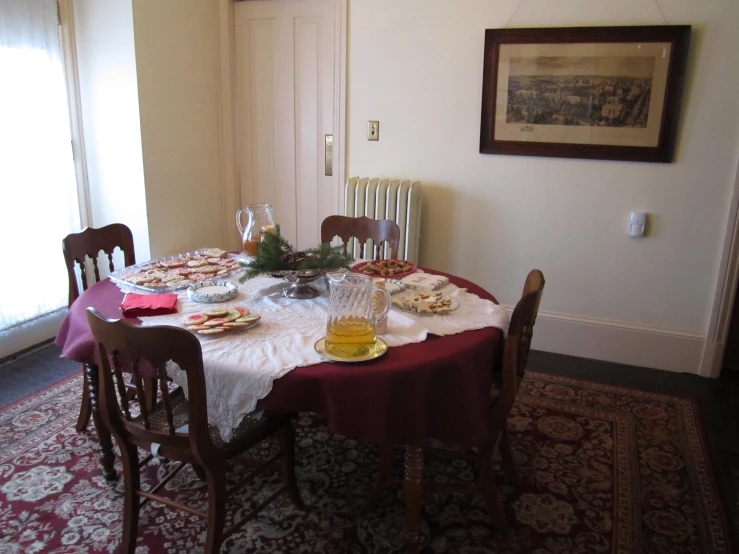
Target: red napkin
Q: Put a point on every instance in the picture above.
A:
(137, 305)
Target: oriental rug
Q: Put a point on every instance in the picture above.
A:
(604, 470)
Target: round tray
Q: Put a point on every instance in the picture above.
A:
(212, 291)
(356, 269)
(375, 352)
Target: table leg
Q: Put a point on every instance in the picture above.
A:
(107, 458)
(413, 488)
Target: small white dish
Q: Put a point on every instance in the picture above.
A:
(212, 291)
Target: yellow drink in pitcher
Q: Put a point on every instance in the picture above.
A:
(350, 337)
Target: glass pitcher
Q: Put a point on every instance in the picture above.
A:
(355, 305)
(260, 217)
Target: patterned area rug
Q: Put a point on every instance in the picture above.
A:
(604, 469)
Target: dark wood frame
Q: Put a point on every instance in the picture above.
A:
(677, 35)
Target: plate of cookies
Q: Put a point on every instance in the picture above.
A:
(425, 302)
(173, 273)
(390, 269)
(217, 321)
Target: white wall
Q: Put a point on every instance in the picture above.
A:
(110, 115)
(416, 66)
(177, 63)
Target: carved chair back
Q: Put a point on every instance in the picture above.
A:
(88, 243)
(363, 229)
(123, 347)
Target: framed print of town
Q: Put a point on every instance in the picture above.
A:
(609, 93)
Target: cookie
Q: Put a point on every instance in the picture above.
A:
(197, 263)
(236, 324)
(197, 327)
(243, 311)
(232, 315)
(216, 321)
(214, 253)
(213, 331)
(216, 312)
(171, 264)
(196, 319)
(248, 318)
(209, 269)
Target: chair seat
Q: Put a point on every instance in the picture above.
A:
(250, 431)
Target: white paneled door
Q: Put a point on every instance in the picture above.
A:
(286, 95)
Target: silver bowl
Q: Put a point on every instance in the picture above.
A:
(299, 287)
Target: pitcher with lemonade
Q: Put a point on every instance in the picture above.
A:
(350, 331)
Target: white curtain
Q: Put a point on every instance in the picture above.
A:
(38, 204)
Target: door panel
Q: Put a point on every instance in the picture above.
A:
(285, 97)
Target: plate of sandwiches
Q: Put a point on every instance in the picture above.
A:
(218, 321)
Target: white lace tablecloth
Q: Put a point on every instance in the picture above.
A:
(241, 365)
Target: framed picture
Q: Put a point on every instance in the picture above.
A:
(610, 93)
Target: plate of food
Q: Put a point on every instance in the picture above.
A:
(177, 272)
(217, 321)
(425, 302)
(390, 269)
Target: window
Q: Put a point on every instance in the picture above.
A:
(39, 205)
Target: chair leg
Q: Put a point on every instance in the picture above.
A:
(386, 463)
(216, 479)
(200, 472)
(286, 436)
(86, 406)
(489, 490)
(509, 466)
(413, 489)
(131, 484)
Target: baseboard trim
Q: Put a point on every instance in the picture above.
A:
(22, 337)
(619, 342)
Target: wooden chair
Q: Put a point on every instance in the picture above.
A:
(77, 248)
(363, 229)
(178, 425)
(502, 396)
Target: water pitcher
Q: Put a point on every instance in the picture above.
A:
(355, 305)
(259, 218)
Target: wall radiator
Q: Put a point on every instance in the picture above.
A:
(387, 199)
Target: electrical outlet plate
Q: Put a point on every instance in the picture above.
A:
(373, 130)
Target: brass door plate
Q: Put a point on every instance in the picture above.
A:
(373, 130)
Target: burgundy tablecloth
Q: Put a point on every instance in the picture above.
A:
(437, 389)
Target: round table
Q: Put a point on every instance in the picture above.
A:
(436, 389)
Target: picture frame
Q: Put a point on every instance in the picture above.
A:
(609, 93)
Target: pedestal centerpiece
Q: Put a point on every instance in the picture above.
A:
(276, 256)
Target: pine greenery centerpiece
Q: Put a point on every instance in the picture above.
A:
(275, 254)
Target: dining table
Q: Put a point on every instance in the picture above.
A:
(433, 385)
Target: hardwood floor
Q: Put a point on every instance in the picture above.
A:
(719, 398)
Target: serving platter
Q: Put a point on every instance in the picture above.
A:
(219, 321)
(384, 268)
(174, 273)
